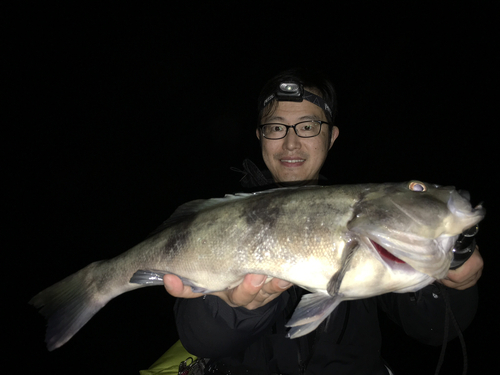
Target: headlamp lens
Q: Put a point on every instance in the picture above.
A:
(289, 87)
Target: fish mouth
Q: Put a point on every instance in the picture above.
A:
(427, 257)
(384, 253)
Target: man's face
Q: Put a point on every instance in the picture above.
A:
(293, 158)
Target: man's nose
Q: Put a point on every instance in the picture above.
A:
(291, 141)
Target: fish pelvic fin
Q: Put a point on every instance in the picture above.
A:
(311, 311)
(316, 307)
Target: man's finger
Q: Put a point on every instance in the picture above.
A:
(176, 287)
(276, 286)
(246, 292)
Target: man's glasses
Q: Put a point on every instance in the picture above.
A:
(303, 129)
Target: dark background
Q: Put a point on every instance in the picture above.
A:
(117, 113)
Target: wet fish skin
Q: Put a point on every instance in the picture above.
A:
(317, 237)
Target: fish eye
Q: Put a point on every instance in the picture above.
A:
(417, 186)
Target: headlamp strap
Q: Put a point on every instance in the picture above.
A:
(315, 99)
(298, 97)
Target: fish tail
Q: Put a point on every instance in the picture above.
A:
(73, 301)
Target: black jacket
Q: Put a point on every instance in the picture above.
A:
(346, 343)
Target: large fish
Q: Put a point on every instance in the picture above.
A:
(339, 242)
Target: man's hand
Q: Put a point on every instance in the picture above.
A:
(467, 274)
(252, 293)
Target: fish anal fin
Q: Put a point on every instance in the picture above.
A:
(146, 277)
(154, 277)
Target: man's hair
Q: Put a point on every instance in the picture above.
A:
(313, 81)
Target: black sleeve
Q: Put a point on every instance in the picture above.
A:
(422, 314)
(210, 328)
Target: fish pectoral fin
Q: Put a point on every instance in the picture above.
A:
(335, 282)
(311, 311)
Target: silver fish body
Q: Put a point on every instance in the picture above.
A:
(340, 242)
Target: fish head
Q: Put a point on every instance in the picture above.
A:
(416, 223)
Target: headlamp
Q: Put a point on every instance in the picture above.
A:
(290, 92)
(294, 92)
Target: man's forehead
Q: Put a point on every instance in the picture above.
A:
(295, 111)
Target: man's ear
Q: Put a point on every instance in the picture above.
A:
(257, 133)
(335, 134)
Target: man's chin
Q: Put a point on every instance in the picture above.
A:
(286, 182)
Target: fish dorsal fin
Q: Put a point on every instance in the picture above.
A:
(287, 188)
(191, 208)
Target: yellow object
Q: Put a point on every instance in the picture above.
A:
(169, 362)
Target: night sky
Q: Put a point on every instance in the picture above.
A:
(118, 113)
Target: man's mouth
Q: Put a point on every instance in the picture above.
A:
(292, 160)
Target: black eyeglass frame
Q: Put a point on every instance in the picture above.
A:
(294, 129)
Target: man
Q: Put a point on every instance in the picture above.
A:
(242, 329)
